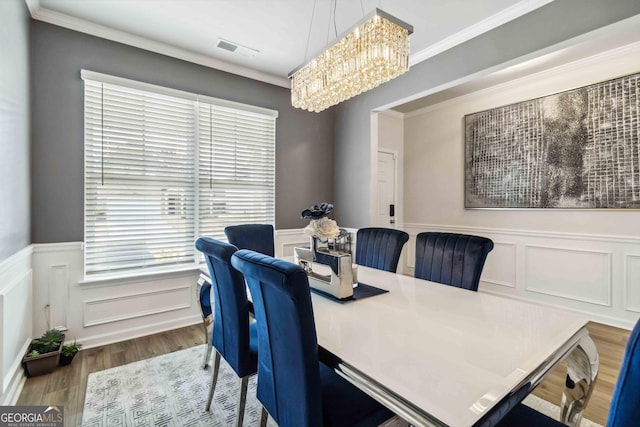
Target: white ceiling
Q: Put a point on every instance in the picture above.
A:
(277, 29)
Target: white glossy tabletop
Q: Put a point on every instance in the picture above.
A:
(451, 352)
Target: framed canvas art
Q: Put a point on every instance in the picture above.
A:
(574, 149)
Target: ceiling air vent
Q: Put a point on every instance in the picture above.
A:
(236, 48)
(227, 46)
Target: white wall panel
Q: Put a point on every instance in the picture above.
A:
(58, 295)
(500, 267)
(632, 283)
(569, 273)
(130, 306)
(286, 240)
(98, 312)
(594, 275)
(16, 294)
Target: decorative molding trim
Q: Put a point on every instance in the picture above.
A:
(608, 256)
(625, 303)
(134, 314)
(119, 335)
(526, 233)
(23, 255)
(58, 295)
(147, 276)
(517, 10)
(623, 51)
(289, 232)
(81, 25)
(57, 247)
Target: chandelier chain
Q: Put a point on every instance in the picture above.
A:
(313, 13)
(335, 27)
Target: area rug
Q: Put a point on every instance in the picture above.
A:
(172, 389)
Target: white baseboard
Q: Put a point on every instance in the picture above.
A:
(11, 396)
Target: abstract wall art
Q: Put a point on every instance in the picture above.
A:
(574, 149)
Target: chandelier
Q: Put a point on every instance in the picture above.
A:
(372, 52)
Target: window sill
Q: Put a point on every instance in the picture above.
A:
(123, 278)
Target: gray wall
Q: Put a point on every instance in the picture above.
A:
(304, 150)
(552, 24)
(14, 127)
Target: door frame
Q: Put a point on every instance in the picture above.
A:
(394, 153)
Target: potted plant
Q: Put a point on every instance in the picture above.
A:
(68, 352)
(43, 353)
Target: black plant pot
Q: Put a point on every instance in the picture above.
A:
(65, 360)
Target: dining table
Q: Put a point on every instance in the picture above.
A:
(439, 355)
(442, 356)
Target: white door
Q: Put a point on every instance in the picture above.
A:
(386, 185)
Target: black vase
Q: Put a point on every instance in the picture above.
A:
(65, 360)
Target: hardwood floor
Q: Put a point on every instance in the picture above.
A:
(66, 385)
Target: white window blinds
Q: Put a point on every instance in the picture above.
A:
(237, 169)
(162, 170)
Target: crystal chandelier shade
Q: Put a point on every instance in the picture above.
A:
(375, 51)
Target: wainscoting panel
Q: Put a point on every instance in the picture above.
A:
(595, 275)
(286, 240)
(632, 283)
(16, 294)
(569, 273)
(101, 312)
(130, 306)
(500, 267)
(58, 295)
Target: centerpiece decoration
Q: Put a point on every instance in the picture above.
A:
(325, 230)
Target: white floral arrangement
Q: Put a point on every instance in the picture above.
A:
(319, 225)
(323, 228)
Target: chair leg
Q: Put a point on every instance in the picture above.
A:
(214, 378)
(264, 416)
(243, 399)
(207, 348)
(207, 355)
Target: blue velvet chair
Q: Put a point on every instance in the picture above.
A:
(234, 337)
(293, 386)
(625, 406)
(380, 247)
(256, 237)
(451, 259)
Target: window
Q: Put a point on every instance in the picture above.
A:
(163, 167)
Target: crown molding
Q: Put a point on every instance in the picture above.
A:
(627, 51)
(517, 10)
(56, 18)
